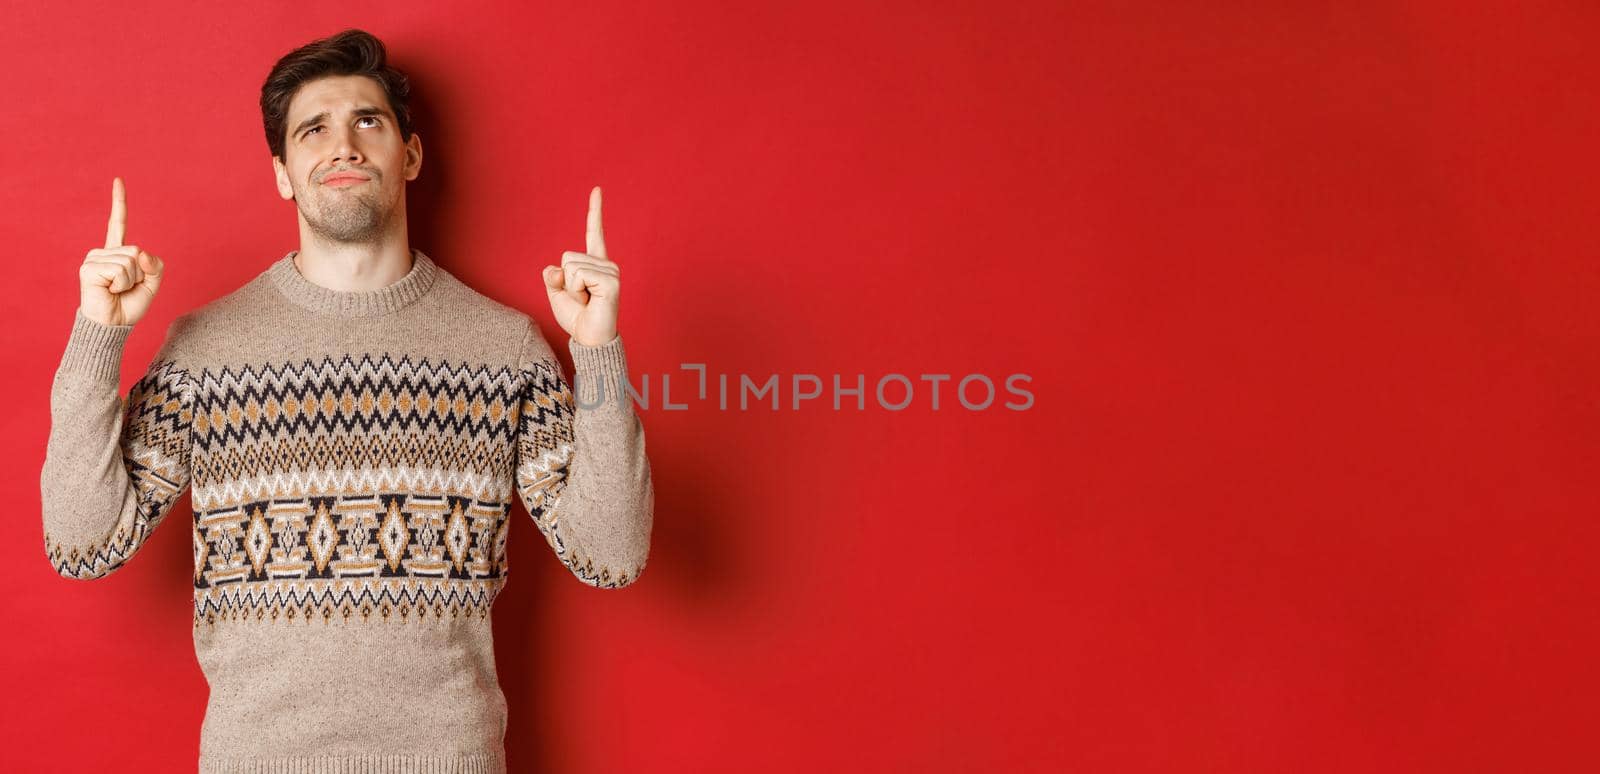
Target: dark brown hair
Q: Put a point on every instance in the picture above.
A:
(351, 52)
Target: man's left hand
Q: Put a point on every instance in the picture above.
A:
(583, 289)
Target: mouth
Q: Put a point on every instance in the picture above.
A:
(344, 181)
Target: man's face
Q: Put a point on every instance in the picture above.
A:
(343, 124)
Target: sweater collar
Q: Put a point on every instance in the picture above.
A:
(353, 303)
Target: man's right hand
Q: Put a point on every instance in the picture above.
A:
(116, 283)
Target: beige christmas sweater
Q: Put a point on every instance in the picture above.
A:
(351, 459)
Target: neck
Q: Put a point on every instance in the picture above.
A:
(354, 266)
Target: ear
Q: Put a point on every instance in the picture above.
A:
(413, 156)
(285, 191)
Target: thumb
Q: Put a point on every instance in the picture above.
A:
(552, 279)
(152, 267)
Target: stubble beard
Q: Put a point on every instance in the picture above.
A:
(346, 216)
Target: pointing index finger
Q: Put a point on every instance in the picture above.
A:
(594, 236)
(119, 215)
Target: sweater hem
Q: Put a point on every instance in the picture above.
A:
(359, 763)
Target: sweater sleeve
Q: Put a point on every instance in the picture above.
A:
(581, 468)
(113, 466)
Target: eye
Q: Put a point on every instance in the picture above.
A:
(317, 128)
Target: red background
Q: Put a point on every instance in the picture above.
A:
(1306, 296)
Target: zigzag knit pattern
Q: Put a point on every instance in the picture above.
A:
(269, 450)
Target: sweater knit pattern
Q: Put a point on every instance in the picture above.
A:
(352, 459)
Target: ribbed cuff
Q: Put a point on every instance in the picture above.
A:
(95, 349)
(606, 364)
(493, 762)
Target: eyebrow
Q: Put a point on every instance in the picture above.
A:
(323, 116)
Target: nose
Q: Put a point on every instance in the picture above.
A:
(346, 149)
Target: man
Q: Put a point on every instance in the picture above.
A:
(352, 423)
